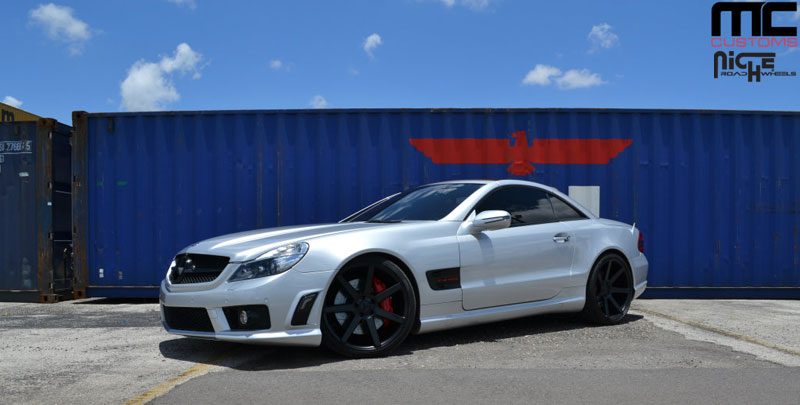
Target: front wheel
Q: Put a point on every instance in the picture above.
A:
(609, 291)
(369, 309)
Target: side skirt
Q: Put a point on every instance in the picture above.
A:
(569, 300)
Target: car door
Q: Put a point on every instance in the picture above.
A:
(581, 230)
(529, 261)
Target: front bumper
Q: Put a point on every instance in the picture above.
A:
(280, 293)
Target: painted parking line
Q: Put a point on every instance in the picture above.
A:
(165, 386)
(195, 371)
(723, 332)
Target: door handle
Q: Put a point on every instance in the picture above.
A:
(561, 238)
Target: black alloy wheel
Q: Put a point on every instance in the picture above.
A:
(369, 308)
(609, 291)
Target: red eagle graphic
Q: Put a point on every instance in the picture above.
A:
(500, 151)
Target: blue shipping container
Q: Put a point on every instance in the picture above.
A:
(715, 193)
(35, 213)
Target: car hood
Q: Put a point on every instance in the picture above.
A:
(244, 246)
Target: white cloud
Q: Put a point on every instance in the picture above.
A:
(353, 71)
(540, 75)
(576, 79)
(188, 3)
(602, 37)
(544, 75)
(149, 86)
(476, 4)
(473, 4)
(371, 43)
(318, 102)
(277, 64)
(185, 61)
(60, 25)
(12, 102)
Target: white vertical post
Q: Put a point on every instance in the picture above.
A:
(587, 196)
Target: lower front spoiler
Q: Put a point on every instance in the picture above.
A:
(299, 337)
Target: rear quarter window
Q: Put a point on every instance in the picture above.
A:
(563, 211)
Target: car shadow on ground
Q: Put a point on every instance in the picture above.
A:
(260, 358)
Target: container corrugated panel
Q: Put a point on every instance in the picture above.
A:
(35, 214)
(715, 193)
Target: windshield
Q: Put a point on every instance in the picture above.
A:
(426, 203)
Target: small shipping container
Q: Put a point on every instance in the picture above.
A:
(715, 193)
(14, 114)
(35, 211)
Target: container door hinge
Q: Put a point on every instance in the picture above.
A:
(48, 298)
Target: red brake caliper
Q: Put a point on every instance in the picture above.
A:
(386, 304)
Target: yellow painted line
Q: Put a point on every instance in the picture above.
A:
(723, 332)
(166, 386)
(181, 378)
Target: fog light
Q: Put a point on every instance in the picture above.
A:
(247, 317)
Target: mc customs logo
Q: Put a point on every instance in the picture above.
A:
(752, 57)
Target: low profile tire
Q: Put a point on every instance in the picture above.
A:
(609, 291)
(369, 309)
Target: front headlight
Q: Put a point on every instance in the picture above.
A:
(274, 262)
(170, 268)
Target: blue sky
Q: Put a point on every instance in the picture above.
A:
(127, 55)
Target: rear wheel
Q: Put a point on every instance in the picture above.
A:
(609, 291)
(369, 308)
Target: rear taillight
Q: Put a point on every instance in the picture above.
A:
(641, 242)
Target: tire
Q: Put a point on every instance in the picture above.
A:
(369, 309)
(609, 290)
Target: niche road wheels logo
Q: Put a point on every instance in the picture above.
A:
(764, 35)
(752, 65)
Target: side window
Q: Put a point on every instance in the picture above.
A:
(527, 206)
(563, 211)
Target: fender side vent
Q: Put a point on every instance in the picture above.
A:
(444, 279)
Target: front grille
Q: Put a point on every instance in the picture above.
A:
(189, 319)
(197, 278)
(193, 268)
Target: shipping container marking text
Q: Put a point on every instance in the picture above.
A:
(14, 147)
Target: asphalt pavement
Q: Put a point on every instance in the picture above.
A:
(106, 351)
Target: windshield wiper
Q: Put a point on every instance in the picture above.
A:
(384, 221)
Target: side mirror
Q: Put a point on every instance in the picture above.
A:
(491, 220)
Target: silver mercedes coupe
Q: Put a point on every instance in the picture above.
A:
(435, 257)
